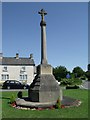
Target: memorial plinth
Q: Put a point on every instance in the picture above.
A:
(44, 88)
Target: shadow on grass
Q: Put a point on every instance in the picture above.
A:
(4, 98)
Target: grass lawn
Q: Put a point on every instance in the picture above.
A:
(73, 112)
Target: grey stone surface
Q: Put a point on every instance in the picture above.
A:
(66, 101)
(44, 89)
(44, 69)
(43, 37)
(27, 103)
(61, 94)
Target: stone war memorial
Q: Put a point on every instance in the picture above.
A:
(44, 91)
(44, 87)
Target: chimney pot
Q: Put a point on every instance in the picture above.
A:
(1, 55)
(31, 56)
(17, 56)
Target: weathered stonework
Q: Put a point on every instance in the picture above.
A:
(44, 69)
(44, 89)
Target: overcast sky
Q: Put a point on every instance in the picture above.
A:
(66, 32)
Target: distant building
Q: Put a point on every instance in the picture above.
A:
(17, 68)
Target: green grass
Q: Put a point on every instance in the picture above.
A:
(73, 112)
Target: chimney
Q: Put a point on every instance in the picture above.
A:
(17, 56)
(1, 55)
(31, 56)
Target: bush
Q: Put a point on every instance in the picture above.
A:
(88, 75)
(58, 104)
(19, 95)
(72, 81)
(78, 71)
(60, 72)
(12, 99)
(72, 87)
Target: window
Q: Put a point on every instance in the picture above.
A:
(23, 77)
(5, 76)
(23, 69)
(12, 82)
(17, 82)
(5, 69)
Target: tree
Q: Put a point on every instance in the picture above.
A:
(87, 73)
(60, 72)
(78, 72)
(88, 67)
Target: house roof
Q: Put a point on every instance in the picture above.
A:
(16, 61)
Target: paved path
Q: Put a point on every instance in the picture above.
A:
(85, 85)
(5, 90)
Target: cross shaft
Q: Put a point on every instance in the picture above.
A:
(43, 37)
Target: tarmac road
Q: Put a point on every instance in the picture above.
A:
(85, 85)
(6, 90)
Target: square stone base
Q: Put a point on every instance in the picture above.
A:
(44, 89)
(44, 96)
(44, 69)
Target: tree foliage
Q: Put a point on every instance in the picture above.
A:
(88, 67)
(88, 75)
(60, 72)
(78, 71)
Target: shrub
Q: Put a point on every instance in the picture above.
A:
(88, 75)
(60, 72)
(72, 87)
(12, 98)
(71, 81)
(58, 104)
(78, 71)
(19, 95)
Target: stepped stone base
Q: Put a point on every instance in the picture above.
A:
(25, 102)
(44, 87)
(66, 102)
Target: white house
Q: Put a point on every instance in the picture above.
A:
(17, 68)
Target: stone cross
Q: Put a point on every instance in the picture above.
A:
(42, 13)
(43, 37)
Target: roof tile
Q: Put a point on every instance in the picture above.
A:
(15, 61)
